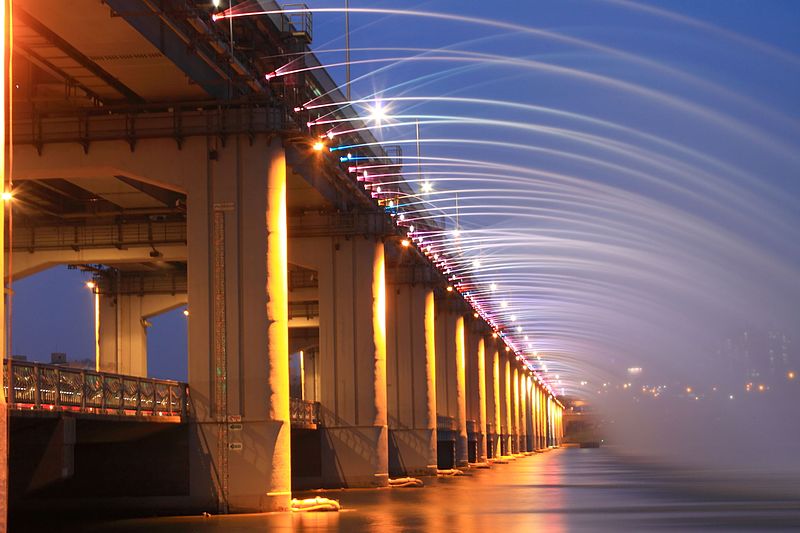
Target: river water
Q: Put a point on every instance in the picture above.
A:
(561, 490)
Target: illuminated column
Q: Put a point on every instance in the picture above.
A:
(515, 407)
(476, 389)
(508, 414)
(352, 356)
(530, 426)
(238, 328)
(122, 333)
(493, 394)
(450, 381)
(539, 418)
(481, 398)
(5, 39)
(411, 379)
(523, 414)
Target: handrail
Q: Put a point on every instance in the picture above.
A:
(43, 387)
(303, 413)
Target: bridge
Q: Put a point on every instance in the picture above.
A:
(149, 148)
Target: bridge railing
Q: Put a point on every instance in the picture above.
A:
(303, 414)
(42, 387)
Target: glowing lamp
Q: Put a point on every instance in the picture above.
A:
(494, 335)
(319, 146)
(271, 75)
(449, 288)
(474, 315)
(185, 312)
(406, 243)
(6, 196)
(91, 285)
(790, 374)
(216, 3)
(508, 349)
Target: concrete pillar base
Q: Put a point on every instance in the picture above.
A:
(410, 451)
(355, 456)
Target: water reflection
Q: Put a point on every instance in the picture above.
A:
(562, 490)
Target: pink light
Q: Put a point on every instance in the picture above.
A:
(271, 75)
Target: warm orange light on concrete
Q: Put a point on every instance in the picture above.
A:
(278, 329)
(449, 288)
(319, 146)
(6, 196)
(96, 331)
(405, 243)
(461, 393)
(379, 335)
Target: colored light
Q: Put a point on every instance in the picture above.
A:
(319, 146)
(449, 288)
(406, 243)
(426, 187)
(91, 285)
(7, 196)
(790, 374)
(185, 312)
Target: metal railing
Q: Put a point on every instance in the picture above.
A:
(42, 387)
(445, 423)
(303, 413)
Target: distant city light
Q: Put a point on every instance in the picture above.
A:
(688, 390)
(405, 243)
(185, 312)
(91, 284)
(790, 374)
(634, 370)
(319, 146)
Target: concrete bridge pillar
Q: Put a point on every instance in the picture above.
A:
(492, 397)
(451, 378)
(515, 407)
(530, 426)
(352, 356)
(505, 404)
(476, 389)
(523, 409)
(122, 329)
(411, 379)
(238, 327)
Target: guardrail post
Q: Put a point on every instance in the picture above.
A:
(83, 391)
(57, 373)
(37, 392)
